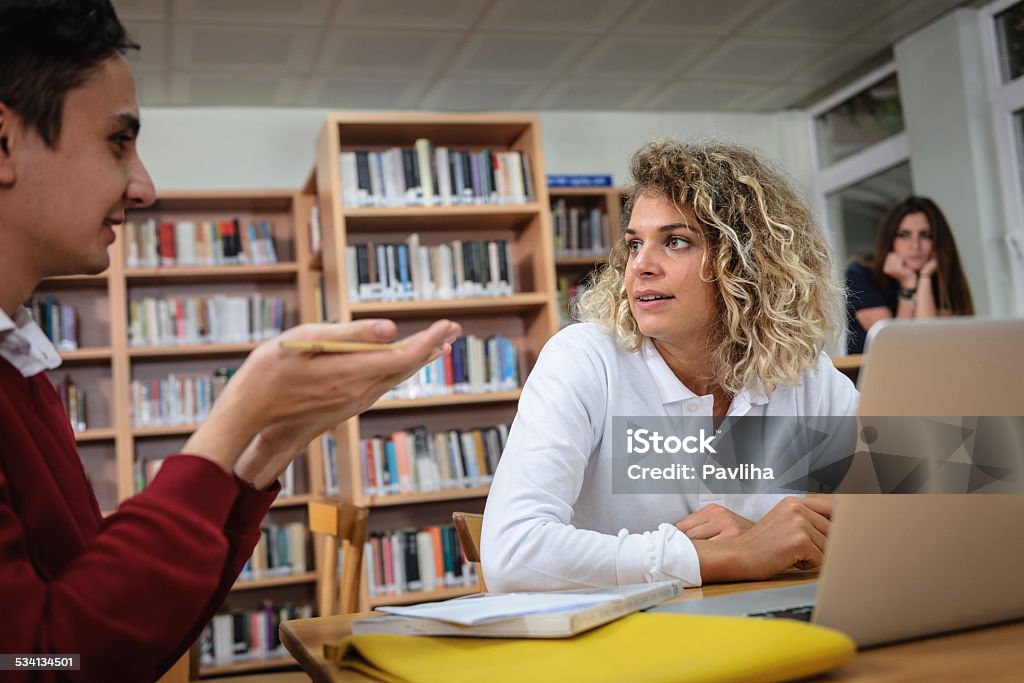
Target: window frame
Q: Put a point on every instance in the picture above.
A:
(1006, 100)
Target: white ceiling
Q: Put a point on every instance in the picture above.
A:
(648, 55)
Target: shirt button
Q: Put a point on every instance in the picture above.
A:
(692, 407)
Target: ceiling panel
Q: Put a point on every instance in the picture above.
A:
(234, 90)
(152, 39)
(650, 58)
(775, 97)
(375, 93)
(240, 12)
(798, 19)
(244, 48)
(140, 10)
(750, 60)
(151, 87)
(409, 53)
(574, 16)
(480, 94)
(440, 14)
(596, 94)
(843, 61)
(906, 18)
(703, 96)
(517, 54)
(690, 17)
(511, 54)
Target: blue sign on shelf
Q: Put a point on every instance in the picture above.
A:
(579, 181)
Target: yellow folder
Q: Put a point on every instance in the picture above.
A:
(641, 648)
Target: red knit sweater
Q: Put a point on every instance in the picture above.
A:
(131, 592)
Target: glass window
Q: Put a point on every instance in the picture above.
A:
(870, 116)
(1010, 33)
(856, 210)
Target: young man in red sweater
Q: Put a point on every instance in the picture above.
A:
(130, 592)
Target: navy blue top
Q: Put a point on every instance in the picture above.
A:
(863, 292)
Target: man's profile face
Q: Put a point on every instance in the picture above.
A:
(75, 193)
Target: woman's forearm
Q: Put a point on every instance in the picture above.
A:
(924, 305)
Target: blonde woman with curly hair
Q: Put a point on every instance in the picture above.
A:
(718, 302)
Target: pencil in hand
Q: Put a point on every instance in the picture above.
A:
(314, 346)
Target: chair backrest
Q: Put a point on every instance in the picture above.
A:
(467, 526)
(342, 523)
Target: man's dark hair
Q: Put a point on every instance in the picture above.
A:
(49, 47)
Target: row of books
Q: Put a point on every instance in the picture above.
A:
(144, 469)
(241, 636)
(410, 560)
(73, 398)
(281, 550)
(198, 243)
(176, 400)
(410, 271)
(474, 366)
(414, 461)
(425, 175)
(218, 319)
(579, 232)
(58, 321)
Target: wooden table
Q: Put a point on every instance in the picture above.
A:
(988, 654)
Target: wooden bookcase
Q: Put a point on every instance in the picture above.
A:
(106, 363)
(573, 267)
(528, 317)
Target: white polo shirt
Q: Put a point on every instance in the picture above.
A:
(552, 521)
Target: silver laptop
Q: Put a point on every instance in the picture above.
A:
(903, 566)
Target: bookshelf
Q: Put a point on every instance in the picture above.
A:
(513, 217)
(586, 222)
(106, 362)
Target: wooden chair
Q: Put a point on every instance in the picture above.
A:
(468, 526)
(346, 523)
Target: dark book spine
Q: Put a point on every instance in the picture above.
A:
(362, 264)
(363, 172)
(413, 581)
(487, 161)
(483, 258)
(503, 262)
(467, 173)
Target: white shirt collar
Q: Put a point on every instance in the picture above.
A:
(671, 390)
(23, 344)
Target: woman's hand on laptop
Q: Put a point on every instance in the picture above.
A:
(791, 534)
(713, 522)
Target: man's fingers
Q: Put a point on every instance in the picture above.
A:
(369, 330)
(425, 343)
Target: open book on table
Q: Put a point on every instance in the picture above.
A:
(555, 614)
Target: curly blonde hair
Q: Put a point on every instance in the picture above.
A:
(778, 303)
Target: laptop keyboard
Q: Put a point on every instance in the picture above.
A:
(798, 613)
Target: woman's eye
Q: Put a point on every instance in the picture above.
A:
(675, 242)
(633, 246)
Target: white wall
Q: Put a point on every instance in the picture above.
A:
(942, 87)
(226, 148)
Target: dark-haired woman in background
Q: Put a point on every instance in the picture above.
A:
(915, 272)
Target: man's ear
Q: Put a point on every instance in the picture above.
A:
(8, 126)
